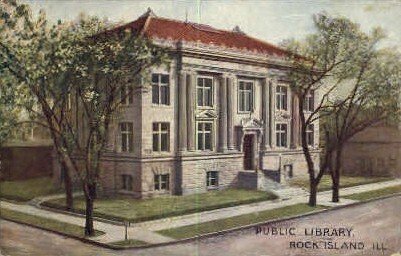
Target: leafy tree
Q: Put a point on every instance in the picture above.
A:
(330, 62)
(77, 74)
(33, 61)
(8, 109)
(373, 98)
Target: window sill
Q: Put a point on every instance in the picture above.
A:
(161, 191)
(127, 192)
(154, 105)
(212, 187)
(205, 107)
(245, 112)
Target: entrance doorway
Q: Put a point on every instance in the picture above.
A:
(248, 152)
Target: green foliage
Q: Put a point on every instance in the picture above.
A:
(136, 210)
(375, 193)
(25, 190)
(45, 223)
(345, 182)
(67, 63)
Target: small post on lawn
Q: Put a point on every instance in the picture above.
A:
(126, 223)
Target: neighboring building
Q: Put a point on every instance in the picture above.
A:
(221, 114)
(21, 160)
(374, 152)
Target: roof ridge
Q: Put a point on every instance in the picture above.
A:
(145, 25)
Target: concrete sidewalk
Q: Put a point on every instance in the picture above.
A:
(144, 231)
(113, 232)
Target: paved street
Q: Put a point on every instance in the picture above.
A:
(373, 222)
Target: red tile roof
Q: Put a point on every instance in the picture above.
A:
(155, 27)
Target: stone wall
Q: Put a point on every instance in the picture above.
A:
(193, 172)
(284, 159)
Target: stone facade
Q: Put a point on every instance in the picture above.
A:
(208, 144)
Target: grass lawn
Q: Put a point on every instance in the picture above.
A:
(375, 193)
(345, 181)
(238, 221)
(135, 210)
(128, 243)
(49, 224)
(25, 190)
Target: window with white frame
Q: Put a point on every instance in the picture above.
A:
(310, 135)
(204, 91)
(281, 97)
(309, 103)
(127, 95)
(204, 131)
(126, 132)
(281, 135)
(160, 89)
(126, 182)
(161, 137)
(162, 181)
(245, 96)
(212, 179)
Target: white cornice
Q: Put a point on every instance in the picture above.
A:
(218, 51)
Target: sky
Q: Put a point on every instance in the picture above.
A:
(269, 20)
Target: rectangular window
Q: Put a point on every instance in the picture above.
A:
(245, 96)
(204, 91)
(310, 135)
(281, 97)
(127, 182)
(127, 95)
(204, 134)
(160, 89)
(309, 103)
(126, 131)
(281, 135)
(288, 172)
(162, 181)
(161, 132)
(212, 179)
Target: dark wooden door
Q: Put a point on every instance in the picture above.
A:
(248, 152)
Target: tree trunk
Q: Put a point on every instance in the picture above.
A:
(90, 194)
(335, 194)
(335, 177)
(312, 193)
(69, 201)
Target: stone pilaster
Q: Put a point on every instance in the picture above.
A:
(231, 85)
(273, 113)
(223, 114)
(191, 95)
(266, 113)
(182, 111)
(293, 129)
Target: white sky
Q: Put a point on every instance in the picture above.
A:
(269, 20)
